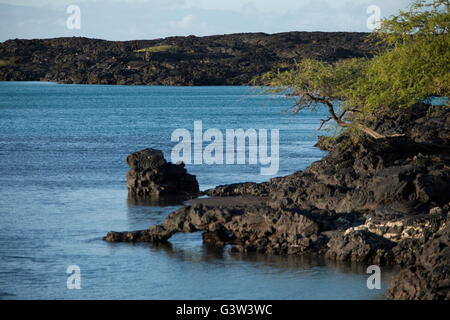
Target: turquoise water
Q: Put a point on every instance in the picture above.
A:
(63, 187)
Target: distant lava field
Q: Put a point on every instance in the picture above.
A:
(213, 60)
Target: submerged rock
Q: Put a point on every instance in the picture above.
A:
(152, 176)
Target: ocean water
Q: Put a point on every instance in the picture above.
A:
(63, 187)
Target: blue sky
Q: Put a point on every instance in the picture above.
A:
(150, 19)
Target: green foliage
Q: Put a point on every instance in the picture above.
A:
(422, 21)
(417, 66)
(7, 63)
(328, 81)
(161, 48)
(413, 68)
(402, 77)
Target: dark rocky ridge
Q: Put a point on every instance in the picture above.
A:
(214, 60)
(383, 202)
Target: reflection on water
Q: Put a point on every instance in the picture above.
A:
(63, 187)
(149, 211)
(209, 272)
(283, 263)
(165, 201)
(189, 248)
(237, 275)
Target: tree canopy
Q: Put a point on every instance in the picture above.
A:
(413, 66)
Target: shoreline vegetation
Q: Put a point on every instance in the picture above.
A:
(381, 194)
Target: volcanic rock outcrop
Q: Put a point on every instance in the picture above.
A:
(152, 176)
(428, 278)
(381, 202)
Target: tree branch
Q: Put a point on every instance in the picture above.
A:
(339, 121)
(323, 122)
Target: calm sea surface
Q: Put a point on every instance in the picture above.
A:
(63, 187)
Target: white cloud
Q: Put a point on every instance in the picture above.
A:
(148, 19)
(184, 23)
(280, 7)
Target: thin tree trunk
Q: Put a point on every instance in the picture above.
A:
(363, 128)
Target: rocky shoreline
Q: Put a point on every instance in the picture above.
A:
(233, 59)
(381, 202)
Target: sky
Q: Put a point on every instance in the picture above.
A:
(152, 19)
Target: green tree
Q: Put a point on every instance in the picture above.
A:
(414, 67)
